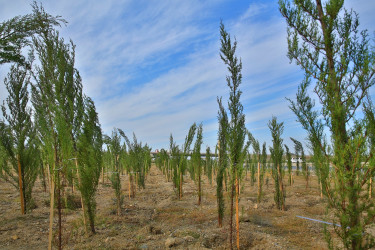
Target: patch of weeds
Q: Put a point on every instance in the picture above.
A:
(260, 221)
(193, 234)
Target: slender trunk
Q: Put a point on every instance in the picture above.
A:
(259, 191)
(199, 190)
(136, 180)
(44, 179)
(180, 185)
(103, 175)
(231, 217)
(370, 189)
(22, 197)
(237, 214)
(291, 176)
(82, 205)
(321, 189)
(92, 222)
(59, 209)
(52, 202)
(119, 205)
(281, 187)
(130, 180)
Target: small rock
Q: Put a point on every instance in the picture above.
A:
(15, 237)
(170, 242)
(189, 238)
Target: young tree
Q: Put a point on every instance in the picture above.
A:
(277, 152)
(18, 138)
(197, 162)
(222, 160)
(55, 93)
(305, 170)
(257, 159)
(262, 168)
(140, 160)
(15, 33)
(289, 164)
(324, 40)
(116, 151)
(90, 159)
(182, 164)
(297, 150)
(208, 168)
(236, 128)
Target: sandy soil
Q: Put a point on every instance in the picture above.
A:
(155, 218)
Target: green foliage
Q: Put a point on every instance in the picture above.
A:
(89, 159)
(277, 152)
(15, 33)
(18, 140)
(222, 159)
(208, 168)
(236, 130)
(56, 94)
(289, 163)
(162, 162)
(139, 159)
(197, 161)
(116, 152)
(305, 170)
(182, 163)
(325, 42)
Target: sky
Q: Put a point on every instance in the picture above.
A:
(153, 67)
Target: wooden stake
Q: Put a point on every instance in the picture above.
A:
(180, 185)
(258, 182)
(129, 185)
(237, 214)
(21, 186)
(52, 202)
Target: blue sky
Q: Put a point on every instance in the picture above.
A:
(153, 67)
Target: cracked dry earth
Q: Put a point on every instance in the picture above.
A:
(157, 219)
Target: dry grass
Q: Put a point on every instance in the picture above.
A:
(156, 214)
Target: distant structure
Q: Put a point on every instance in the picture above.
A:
(295, 160)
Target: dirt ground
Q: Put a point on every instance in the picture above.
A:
(156, 219)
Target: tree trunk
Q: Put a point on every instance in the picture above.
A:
(370, 189)
(258, 200)
(91, 219)
(59, 209)
(231, 216)
(82, 205)
(237, 214)
(199, 189)
(281, 187)
(118, 205)
(52, 202)
(130, 180)
(22, 197)
(103, 175)
(180, 185)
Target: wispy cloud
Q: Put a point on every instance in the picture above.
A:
(153, 67)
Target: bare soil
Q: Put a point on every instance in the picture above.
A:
(157, 219)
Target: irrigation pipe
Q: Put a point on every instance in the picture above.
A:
(320, 221)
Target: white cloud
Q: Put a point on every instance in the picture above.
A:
(155, 69)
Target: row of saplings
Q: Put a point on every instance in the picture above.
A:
(56, 135)
(176, 162)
